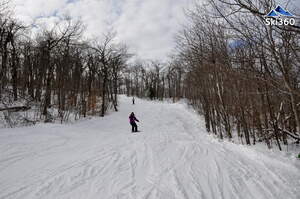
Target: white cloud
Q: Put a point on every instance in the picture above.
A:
(37, 8)
(146, 26)
(149, 27)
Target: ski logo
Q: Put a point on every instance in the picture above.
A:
(279, 17)
(279, 11)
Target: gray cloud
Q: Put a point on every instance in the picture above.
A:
(146, 26)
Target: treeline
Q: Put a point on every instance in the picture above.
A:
(58, 69)
(240, 74)
(154, 80)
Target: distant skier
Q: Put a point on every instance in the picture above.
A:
(133, 100)
(132, 120)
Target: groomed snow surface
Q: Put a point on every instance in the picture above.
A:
(172, 157)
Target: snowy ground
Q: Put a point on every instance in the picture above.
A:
(173, 157)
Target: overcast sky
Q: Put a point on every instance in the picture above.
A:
(146, 26)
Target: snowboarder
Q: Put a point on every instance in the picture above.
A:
(132, 120)
(133, 100)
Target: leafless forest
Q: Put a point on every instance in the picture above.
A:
(240, 74)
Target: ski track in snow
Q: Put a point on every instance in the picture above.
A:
(173, 157)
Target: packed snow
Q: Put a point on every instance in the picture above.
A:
(172, 157)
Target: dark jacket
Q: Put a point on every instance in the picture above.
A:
(132, 119)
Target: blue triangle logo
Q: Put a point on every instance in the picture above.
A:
(272, 14)
(283, 12)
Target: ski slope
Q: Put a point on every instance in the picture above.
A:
(173, 157)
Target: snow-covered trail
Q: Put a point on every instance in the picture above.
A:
(173, 157)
